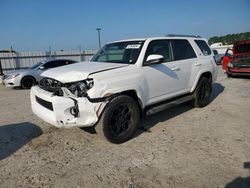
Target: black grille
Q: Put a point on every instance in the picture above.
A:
(44, 103)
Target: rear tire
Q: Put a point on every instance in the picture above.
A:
(202, 93)
(120, 120)
(27, 82)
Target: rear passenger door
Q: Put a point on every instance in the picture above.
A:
(184, 60)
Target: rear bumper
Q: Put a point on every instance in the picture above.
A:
(57, 110)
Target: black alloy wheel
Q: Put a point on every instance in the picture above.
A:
(202, 93)
(27, 82)
(119, 120)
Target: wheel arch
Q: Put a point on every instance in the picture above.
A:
(206, 74)
(27, 76)
(133, 95)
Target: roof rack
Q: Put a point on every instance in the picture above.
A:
(174, 35)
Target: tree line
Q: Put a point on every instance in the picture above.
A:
(230, 38)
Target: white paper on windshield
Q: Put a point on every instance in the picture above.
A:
(133, 46)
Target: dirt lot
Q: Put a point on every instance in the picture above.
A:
(179, 147)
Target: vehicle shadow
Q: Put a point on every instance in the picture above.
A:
(15, 136)
(240, 182)
(217, 90)
(150, 121)
(246, 77)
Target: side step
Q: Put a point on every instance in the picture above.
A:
(168, 104)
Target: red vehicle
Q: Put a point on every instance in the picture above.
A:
(227, 58)
(238, 63)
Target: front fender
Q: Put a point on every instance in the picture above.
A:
(138, 90)
(106, 91)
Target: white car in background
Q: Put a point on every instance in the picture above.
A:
(28, 77)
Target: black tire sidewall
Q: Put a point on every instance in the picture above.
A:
(199, 103)
(24, 79)
(105, 119)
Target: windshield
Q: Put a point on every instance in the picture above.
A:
(119, 52)
(37, 65)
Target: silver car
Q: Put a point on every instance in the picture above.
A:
(29, 77)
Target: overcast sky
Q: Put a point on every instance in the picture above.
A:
(35, 25)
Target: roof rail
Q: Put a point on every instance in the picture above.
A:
(174, 35)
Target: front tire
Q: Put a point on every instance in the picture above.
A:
(27, 82)
(119, 120)
(202, 93)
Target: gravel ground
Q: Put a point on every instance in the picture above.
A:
(180, 147)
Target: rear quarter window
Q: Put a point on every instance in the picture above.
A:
(203, 47)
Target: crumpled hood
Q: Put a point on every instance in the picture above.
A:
(79, 71)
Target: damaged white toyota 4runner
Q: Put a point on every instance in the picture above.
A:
(124, 81)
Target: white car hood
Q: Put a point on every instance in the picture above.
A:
(79, 71)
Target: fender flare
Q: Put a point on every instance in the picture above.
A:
(198, 78)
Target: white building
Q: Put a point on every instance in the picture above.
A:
(220, 47)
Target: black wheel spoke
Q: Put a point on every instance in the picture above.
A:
(27, 83)
(120, 120)
(204, 93)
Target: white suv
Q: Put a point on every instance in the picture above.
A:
(124, 81)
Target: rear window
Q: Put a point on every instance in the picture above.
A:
(203, 47)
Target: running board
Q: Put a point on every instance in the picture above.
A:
(168, 104)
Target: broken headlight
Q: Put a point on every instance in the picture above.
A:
(80, 88)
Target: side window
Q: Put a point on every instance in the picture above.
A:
(53, 64)
(215, 52)
(182, 49)
(48, 65)
(160, 47)
(203, 47)
(68, 62)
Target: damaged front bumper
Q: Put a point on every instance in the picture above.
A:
(13, 82)
(62, 111)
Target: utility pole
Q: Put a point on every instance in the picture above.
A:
(80, 52)
(1, 69)
(99, 36)
(50, 52)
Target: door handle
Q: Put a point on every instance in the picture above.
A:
(197, 64)
(175, 68)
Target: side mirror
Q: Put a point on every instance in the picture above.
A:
(41, 68)
(154, 59)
